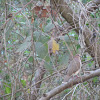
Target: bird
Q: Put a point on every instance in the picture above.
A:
(73, 67)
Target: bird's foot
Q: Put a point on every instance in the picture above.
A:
(76, 76)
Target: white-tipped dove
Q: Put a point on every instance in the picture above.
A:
(73, 67)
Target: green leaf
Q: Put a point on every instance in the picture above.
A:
(49, 67)
(66, 38)
(92, 15)
(7, 87)
(7, 90)
(0, 71)
(49, 27)
(63, 60)
(19, 15)
(41, 49)
(27, 52)
(95, 79)
(30, 59)
(40, 37)
(23, 83)
(7, 78)
(78, 46)
(48, 20)
(72, 33)
(67, 90)
(99, 25)
(85, 83)
(25, 45)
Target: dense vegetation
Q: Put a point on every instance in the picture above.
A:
(38, 39)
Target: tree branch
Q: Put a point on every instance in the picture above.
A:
(69, 84)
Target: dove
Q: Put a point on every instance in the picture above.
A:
(73, 67)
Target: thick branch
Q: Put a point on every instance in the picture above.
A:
(75, 81)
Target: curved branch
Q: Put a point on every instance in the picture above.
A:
(69, 84)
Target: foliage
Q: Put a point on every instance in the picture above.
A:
(24, 44)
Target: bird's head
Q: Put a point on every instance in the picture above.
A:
(77, 56)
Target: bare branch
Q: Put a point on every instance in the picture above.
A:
(69, 84)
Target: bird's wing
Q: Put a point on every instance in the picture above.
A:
(73, 67)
